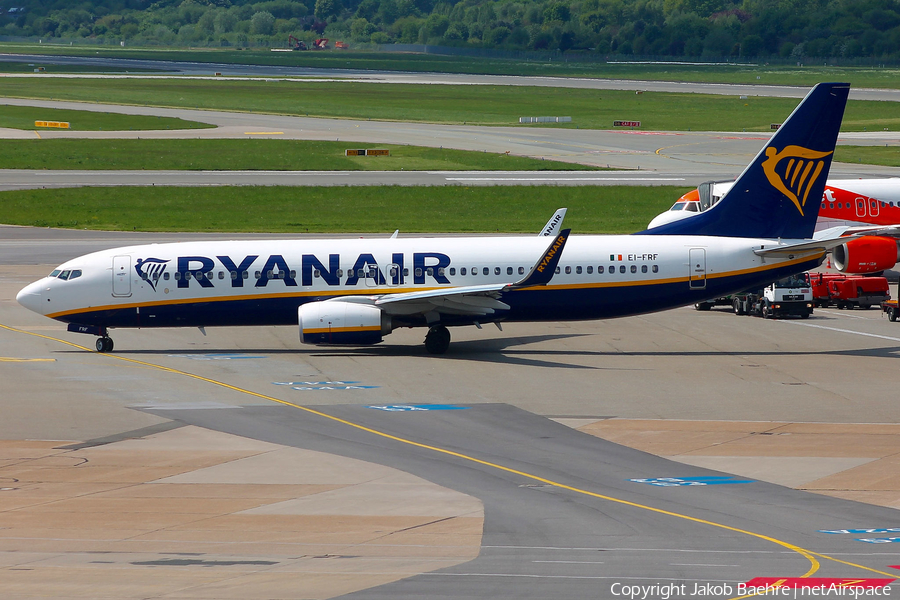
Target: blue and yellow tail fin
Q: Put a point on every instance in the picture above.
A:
(779, 193)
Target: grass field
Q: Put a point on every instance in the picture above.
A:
(476, 105)
(619, 209)
(23, 117)
(887, 156)
(255, 154)
(808, 75)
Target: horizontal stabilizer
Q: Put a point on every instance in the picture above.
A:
(789, 250)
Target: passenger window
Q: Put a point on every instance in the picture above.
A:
(557, 270)
(452, 271)
(362, 273)
(590, 269)
(233, 275)
(643, 268)
(429, 271)
(521, 270)
(578, 270)
(293, 274)
(257, 274)
(496, 270)
(246, 274)
(486, 270)
(831, 205)
(418, 272)
(317, 273)
(600, 269)
(462, 271)
(166, 276)
(406, 272)
(612, 269)
(509, 270)
(221, 274)
(340, 273)
(474, 270)
(634, 268)
(655, 269)
(621, 268)
(568, 270)
(823, 205)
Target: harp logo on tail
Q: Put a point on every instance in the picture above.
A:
(793, 171)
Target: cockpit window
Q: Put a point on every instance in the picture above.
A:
(678, 206)
(55, 273)
(64, 275)
(692, 207)
(75, 273)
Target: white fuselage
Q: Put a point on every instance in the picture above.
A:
(264, 282)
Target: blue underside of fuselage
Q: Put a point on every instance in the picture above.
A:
(540, 304)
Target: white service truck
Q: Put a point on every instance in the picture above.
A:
(789, 296)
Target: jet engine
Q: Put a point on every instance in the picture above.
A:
(341, 322)
(869, 254)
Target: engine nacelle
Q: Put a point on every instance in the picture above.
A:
(339, 322)
(869, 254)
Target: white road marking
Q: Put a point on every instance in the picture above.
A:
(874, 335)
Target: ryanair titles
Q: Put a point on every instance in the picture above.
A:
(251, 269)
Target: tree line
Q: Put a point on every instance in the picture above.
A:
(752, 29)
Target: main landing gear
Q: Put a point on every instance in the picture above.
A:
(104, 344)
(437, 340)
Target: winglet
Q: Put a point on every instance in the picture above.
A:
(544, 269)
(555, 223)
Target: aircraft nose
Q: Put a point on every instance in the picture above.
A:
(30, 297)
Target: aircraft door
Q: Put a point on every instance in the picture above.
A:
(392, 275)
(874, 207)
(373, 275)
(121, 276)
(697, 266)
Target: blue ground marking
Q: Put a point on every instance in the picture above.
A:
(877, 530)
(688, 481)
(215, 356)
(890, 540)
(310, 386)
(417, 407)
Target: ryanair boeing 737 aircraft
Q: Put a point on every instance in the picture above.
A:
(356, 291)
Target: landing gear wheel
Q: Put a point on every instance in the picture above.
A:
(437, 340)
(104, 344)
